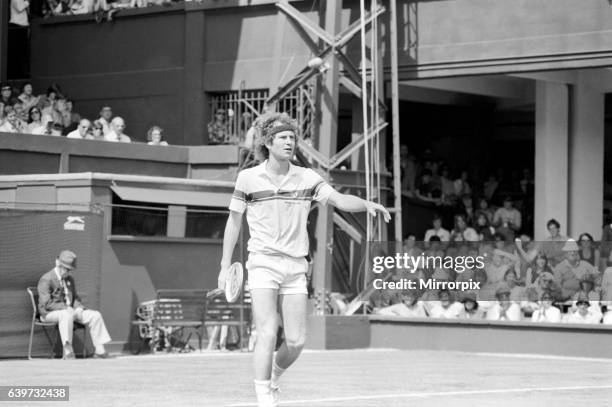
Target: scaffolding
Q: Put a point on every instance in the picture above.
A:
(366, 82)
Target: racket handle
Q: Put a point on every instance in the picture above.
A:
(214, 293)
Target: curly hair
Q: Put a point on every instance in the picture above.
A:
(267, 125)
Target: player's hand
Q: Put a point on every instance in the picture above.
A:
(373, 208)
(222, 277)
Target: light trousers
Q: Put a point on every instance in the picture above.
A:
(92, 319)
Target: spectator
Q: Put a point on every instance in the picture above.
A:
(483, 207)
(10, 125)
(34, 119)
(588, 251)
(485, 231)
(46, 127)
(540, 265)
(116, 134)
(587, 290)
(584, 313)
(551, 247)
(466, 207)
(82, 131)
(517, 293)
(218, 129)
(446, 308)
(497, 268)
(409, 307)
(470, 309)
(490, 187)
(65, 120)
(408, 168)
(6, 95)
(461, 232)
(545, 311)
(106, 114)
(425, 189)
(82, 7)
(410, 247)
(553, 244)
(71, 118)
(27, 97)
(447, 186)
(437, 230)
(19, 12)
(50, 109)
(507, 220)
(59, 302)
(154, 136)
(504, 309)
(56, 130)
(97, 130)
(22, 117)
(462, 187)
(570, 271)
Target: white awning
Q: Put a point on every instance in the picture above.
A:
(173, 197)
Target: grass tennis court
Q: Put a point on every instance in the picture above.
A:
(389, 378)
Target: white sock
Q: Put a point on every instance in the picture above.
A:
(262, 387)
(277, 372)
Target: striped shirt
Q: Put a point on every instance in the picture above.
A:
(277, 215)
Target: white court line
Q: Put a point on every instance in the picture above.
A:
(540, 356)
(431, 394)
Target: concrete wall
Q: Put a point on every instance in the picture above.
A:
(133, 270)
(484, 336)
(441, 38)
(34, 154)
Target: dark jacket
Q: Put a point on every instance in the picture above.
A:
(51, 293)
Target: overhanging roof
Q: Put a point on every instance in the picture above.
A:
(173, 197)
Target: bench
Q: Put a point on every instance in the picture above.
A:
(171, 319)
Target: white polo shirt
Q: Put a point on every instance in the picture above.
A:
(277, 216)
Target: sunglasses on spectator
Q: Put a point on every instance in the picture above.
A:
(583, 303)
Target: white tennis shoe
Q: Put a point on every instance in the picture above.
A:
(275, 391)
(266, 400)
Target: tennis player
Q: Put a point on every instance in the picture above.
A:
(276, 196)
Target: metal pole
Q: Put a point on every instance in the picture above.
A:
(397, 180)
(364, 107)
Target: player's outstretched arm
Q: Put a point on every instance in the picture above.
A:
(352, 203)
(230, 237)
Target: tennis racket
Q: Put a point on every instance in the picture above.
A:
(233, 284)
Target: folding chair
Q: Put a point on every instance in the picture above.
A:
(33, 293)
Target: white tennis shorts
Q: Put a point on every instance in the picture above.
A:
(284, 273)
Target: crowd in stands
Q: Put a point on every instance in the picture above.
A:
(471, 194)
(23, 10)
(559, 279)
(52, 114)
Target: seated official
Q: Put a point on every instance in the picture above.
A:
(59, 302)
